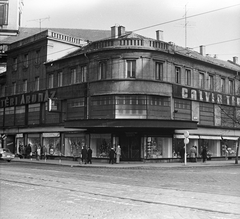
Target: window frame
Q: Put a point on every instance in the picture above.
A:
(231, 86)
(201, 80)
(159, 70)
(25, 86)
(188, 77)
(50, 80)
(223, 85)
(177, 75)
(131, 68)
(26, 60)
(102, 70)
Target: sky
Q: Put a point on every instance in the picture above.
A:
(207, 23)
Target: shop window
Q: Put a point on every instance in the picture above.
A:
(52, 143)
(100, 144)
(73, 144)
(34, 141)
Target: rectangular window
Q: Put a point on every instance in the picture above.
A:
(231, 87)
(37, 57)
(60, 79)
(15, 62)
(73, 76)
(83, 73)
(211, 82)
(159, 71)
(14, 88)
(50, 81)
(37, 83)
(2, 90)
(131, 68)
(25, 86)
(102, 74)
(3, 13)
(223, 85)
(201, 80)
(177, 75)
(25, 62)
(188, 77)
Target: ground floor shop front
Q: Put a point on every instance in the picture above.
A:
(137, 144)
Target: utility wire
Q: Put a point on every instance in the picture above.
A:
(179, 19)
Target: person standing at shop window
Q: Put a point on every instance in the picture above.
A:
(204, 154)
(28, 150)
(44, 152)
(89, 155)
(38, 152)
(111, 155)
(192, 153)
(118, 153)
(84, 154)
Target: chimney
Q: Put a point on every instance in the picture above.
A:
(202, 50)
(159, 35)
(235, 60)
(121, 30)
(114, 31)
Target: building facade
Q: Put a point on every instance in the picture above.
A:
(127, 90)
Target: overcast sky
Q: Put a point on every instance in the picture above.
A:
(213, 27)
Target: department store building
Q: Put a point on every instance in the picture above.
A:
(127, 90)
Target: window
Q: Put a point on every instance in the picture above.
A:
(231, 87)
(159, 71)
(73, 76)
(222, 85)
(131, 68)
(50, 81)
(83, 74)
(211, 82)
(3, 13)
(177, 75)
(36, 83)
(201, 80)
(25, 62)
(2, 90)
(102, 74)
(188, 77)
(15, 64)
(14, 87)
(37, 57)
(24, 86)
(60, 79)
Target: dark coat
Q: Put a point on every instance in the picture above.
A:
(111, 154)
(84, 153)
(204, 153)
(89, 153)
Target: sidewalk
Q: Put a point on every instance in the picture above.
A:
(127, 165)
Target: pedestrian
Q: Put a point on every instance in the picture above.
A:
(118, 153)
(44, 152)
(28, 150)
(204, 154)
(111, 155)
(196, 153)
(182, 154)
(192, 153)
(84, 154)
(38, 152)
(89, 155)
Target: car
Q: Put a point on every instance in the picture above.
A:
(6, 154)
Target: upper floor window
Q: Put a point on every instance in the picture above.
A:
(83, 74)
(102, 73)
(222, 85)
(211, 82)
(25, 86)
(188, 77)
(159, 71)
(231, 87)
(178, 75)
(4, 13)
(201, 80)
(14, 88)
(50, 81)
(15, 62)
(60, 79)
(25, 62)
(37, 57)
(131, 68)
(73, 76)
(2, 90)
(37, 83)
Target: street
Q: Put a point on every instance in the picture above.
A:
(33, 191)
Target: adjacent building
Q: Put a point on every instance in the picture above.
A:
(127, 90)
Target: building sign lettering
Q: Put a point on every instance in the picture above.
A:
(205, 96)
(24, 99)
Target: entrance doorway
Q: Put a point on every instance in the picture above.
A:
(130, 146)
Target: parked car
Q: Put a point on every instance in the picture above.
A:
(6, 154)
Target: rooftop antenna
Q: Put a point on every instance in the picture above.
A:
(40, 20)
(185, 26)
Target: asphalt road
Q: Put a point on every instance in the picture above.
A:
(30, 191)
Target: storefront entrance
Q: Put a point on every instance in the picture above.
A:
(131, 146)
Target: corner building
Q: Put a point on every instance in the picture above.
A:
(139, 93)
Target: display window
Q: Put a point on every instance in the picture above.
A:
(73, 144)
(100, 144)
(52, 143)
(34, 141)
